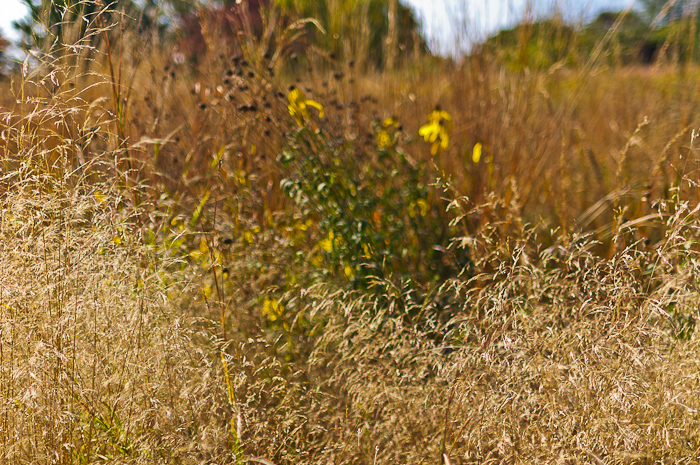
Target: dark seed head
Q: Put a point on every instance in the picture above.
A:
(202, 105)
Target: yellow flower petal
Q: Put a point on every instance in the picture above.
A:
(295, 96)
(349, 272)
(445, 142)
(99, 197)
(298, 106)
(389, 122)
(434, 135)
(437, 131)
(476, 153)
(316, 105)
(425, 129)
(443, 115)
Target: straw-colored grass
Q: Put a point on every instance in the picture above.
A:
(186, 276)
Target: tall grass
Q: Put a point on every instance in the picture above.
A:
(189, 276)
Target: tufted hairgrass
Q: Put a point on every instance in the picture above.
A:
(163, 301)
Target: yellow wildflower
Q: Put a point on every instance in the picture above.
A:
(476, 153)
(99, 197)
(317, 261)
(386, 136)
(391, 121)
(367, 251)
(299, 106)
(327, 244)
(438, 130)
(349, 272)
(384, 139)
(273, 309)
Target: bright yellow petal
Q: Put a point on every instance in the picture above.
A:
(476, 153)
(384, 139)
(434, 135)
(434, 149)
(429, 132)
(316, 105)
(445, 141)
(295, 96)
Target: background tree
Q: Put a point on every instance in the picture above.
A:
(4, 43)
(664, 11)
(369, 31)
(53, 22)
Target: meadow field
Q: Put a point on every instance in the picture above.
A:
(296, 243)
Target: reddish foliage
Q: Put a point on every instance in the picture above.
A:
(224, 24)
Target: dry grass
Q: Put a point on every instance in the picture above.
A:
(163, 301)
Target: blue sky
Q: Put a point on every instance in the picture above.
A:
(443, 20)
(446, 20)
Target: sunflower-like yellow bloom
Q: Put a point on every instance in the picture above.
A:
(385, 138)
(299, 106)
(437, 131)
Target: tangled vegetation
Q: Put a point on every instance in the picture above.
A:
(268, 252)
